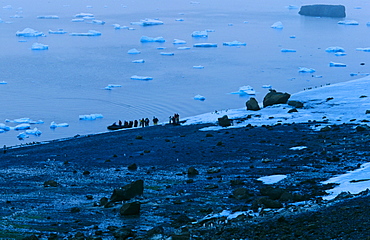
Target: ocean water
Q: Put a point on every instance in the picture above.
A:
(67, 80)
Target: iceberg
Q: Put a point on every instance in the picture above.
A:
(167, 53)
(200, 34)
(39, 46)
(59, 31)
(266, 86)
(81, 15)
(306, 70)
(334, 64)
(277, 25)
(335, 49)
(48, 17)
(183, 48)
(34, 131)
(147, 22)
(78, 20)
(363, 49)
(348, 22)
(29, 32)
(111, 86)
(139, 61)
(117, 26)
(3, 82)
(206, 45)
(88, 18)
(245, 90)
(22, 136)
(340, 54)
(179, 19)
(198, 67)
(151, 39)
(133, 51)
(199, 97)
(22, 126)
(161, 48)
(100, 22)
(288, 50)
(54, 125)
(4, 127)
(90, 33)
(90, 116)
(178, 41)
(234, 43)
(144, 78)
(24, 120)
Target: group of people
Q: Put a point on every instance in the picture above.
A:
(144, 122)
(175, 119)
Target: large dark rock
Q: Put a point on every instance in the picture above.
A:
(323, 10)
(274, 97)
(128, 191)
(224, 121)
(132, 208)
(252, 104)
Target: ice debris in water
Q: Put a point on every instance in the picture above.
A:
(111, 86)
(272, 178)
(340, 54)
(178, 41)
(133, 51)
(22, 126)
(266, 86)
(359, 74)
(147, 22)
(90, 33)
(81, 15)
(183, 48)
(48, 17)
(4, 127)
(199, 97)
(34, 131)
(245, 90)
(198, 67)
(363, 49)
(144, 78)
(298, 148)
(348, 22)
(56, 125)
(59, 31)
(78, 20)
(306, 70)
(167, 53)
(288, 50)
(90, 116)
(8, 7)
(206, 45)
(139, 61)
(152, 39)
(24, 120)
(200, 34)
(335, 49)
(29, 32)
(334, 64)
(100, 22)
(277, 25)
(234, 43)
(22, 136)
(117, 26)
(39, 46)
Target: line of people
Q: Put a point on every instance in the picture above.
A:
(144, 122)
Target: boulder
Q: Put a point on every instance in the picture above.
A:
(224, 121)
(323, 10)
(241, 193)
(128, 191)
(192, 171)
(295, 104)
(274, 97)
(132, 208)
(252, 104)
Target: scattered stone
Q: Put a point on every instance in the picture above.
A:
(86, 173)
(132, 208)
(224, 121)
(214, 170)
(190, 181)
(367, 112)
(252, 104)
(292, 110)
(209, 135)
(237, 182)
(272, 193)
(132, 167)
(323, 10)
(155, 233)
(128, 191)
(139, 137)
(241, 193)
(75, 210)
(220, 143)
(211, 186)
(266, 160)
(325, 129)
(103, 201)
(295, 104)
(181, 220)
(50, 183)
(274, 97)
(361, 128)
(329, 98)
(123, 233)
(363, 96)
(89, 197)
(343, 195)
(266, 203)
(192, 171)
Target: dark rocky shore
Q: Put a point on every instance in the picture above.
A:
(69, 189)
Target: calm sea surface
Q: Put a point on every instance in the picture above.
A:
(69, 78)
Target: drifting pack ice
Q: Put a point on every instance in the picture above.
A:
(90, 33)
(245, 90)
(147, 22)
(234, 43)
(143, 78)
(205, 45)
(48, 17)
(133, 51)
(59, 31)
(144, 39)
(200, 34)
(39, 46)
(90, 116)
(29, 32)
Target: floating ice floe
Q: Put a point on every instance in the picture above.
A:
(78, 20)
(363, 49)
(59, 31)
(292, 36)
(298, 148)
(210, 30)
(39, 46)
(34, 131)
(8, 7)
(234, 43)
(348, 22)
(100, 22)
(24, 120)
(340, 54)
(288, 50)
(152, 39)
(22, 136)
(3, 82)
(54, 125)
(144, 78)
(184, 48)
(272, 179)
(167, 53)
(178, 41)
(117, 26)
(205, 45)
(90, 116)
(359, 74)
(111, 86)
(277, 25)
(29, 32)
(139, 61)
(198, 67)
(306, 70)
(334, 64)
(22, 126)
(179, 19)
(90, 33)
(133, 51)
(245, 90)
(81, 15)
(4, 127)
(147, 22)
(161, 48)
(335, 49)
(266, 86)
(200, 34)
(199, 97)
(48, 17)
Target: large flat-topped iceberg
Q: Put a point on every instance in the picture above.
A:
(348, 22)
(323, 10)
(54, 125)
(334, 49)
(133, 51)
(81, 15)
(152, 39)
(200, 34)
(234, 43)
(205, 45)
(143, 78)
(29, 32)
(59, 31)
(48, 17)
(90, 33)
(147, 22)
(90, 116)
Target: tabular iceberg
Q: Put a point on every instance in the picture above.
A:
(178, 41)
(151, 39)
(199, 97)
(54, 125)
(90, 33)
(133, 51)
(234, 43)
(277, 25)
(90, 116)
(335, 49)
(147, 22)
(144, 78)
(306, 70)
(200, 34)
(206, 45)
(39, 46)
(48, 17)
(334, 64)
(29, 32)
(59, 31)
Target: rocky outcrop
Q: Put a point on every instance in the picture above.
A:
(224, 121)
(128, 191)
(322, 10)
(252, 104)
(296, 104)
(274, 97)
(132, 208)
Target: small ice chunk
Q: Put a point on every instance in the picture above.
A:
(245, 90)
(90, 116)
(210, 30)
(22, 126)
(90, 33)
(147, 22)
(161, 48)
(22, 136)
(178, 41)
(363, 49)
(3, 82)
(359, 74)
(143, 78)
(54, 125)
(81, 15)
(34, 131)
(59, 31)
(4, 127)
(100, 22)
(39, 46)
(111, 86)
(151, 39)
(139, 61)
(179, 20)
(206, 45)
(167, 53)
(298, 148)
(266, 86)
(117, 26)
(334, 64)
(306, 70)
(348, 22)
(317, 76)
(29, 32)
(288, 50)
(277, 25)
(133, 51)
(272, 179)
(198, 67)
(200, 34)
(48, 17)
(16, 16)
(199, 97)
(78, 20)
(340, 54)
(183, 48)
(234, 43)
(292, 36)
(335, 49)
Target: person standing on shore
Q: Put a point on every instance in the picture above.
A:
(155, 120)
